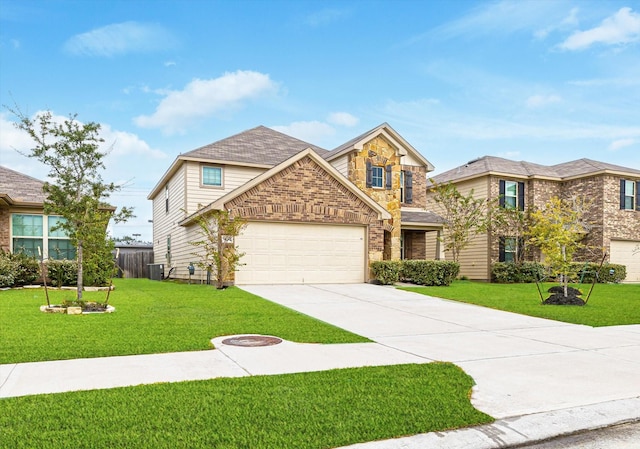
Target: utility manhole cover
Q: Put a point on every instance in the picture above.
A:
(252, 340)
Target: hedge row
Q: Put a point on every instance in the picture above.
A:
(508, 273)
(421, 272)
(17, 270)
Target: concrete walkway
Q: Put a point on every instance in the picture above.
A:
(539, 378)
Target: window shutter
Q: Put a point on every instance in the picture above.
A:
(501, 248)
(637, 195)
(408, 187)
(369, 174)
(521, 195)
(502, 191)
(622, 194)
(388, 175)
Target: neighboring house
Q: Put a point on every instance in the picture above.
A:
(23, 225)
(314, 216)
(614, 212)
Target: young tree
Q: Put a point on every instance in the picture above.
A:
(464, 217)
(218, 252)
(71, 150)
(557, 229)
(509, 221)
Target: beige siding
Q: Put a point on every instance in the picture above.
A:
(474, 259)
(408, 160)
(232, 178)
(431, 245)
(342, 165)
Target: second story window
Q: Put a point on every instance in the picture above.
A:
(377, 176)
(406, 186)
(212, 176)
(629, 195)
(512, 194)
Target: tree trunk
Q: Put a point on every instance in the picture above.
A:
(565, 278)
(80, 273)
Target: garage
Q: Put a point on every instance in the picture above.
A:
(301, 253)
(625, 252)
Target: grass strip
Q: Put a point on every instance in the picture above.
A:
(609, 304)
(307, 410)
(151, 317)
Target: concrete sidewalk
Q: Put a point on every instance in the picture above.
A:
(539, 378)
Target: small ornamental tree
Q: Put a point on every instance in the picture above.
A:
(509, 221)
(77, 192)
(557, 229)
(218, 253)
(464, 217)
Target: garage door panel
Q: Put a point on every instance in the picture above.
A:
(627, 253)
(279, 253)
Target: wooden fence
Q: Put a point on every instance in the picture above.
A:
(134, 264)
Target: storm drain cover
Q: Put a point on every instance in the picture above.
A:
(252, 340)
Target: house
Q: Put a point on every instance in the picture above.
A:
(614, 212)
(314, 216)
(23, 225)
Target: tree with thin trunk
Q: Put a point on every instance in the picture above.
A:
(77, 193)
(557, 229)
(509, 221)
(464, 217)
(219, 254)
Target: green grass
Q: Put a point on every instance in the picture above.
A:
(609, 304)
(150, 317)
(308, 410)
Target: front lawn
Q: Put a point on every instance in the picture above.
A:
(151, 317)
(297, 411)
(609, 304)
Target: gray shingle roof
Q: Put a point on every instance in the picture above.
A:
(260, 145)
(420, 217)
(20, 188)
(492, 164)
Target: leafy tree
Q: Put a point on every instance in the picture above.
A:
(218, 252)
(509, 221)
(71, 151)
(557, 229)
(464, 217)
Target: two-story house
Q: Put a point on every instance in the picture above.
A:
(24, 227)
(314, 216)
(614, 213)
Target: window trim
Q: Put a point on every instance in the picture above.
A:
(374, 169)
(211, 186)
(519, 194)
(635, 196)
(45, 238)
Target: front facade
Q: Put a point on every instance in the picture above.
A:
(314, 216)
(613, 193)
(23, 225)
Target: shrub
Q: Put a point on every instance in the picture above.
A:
(17, 269)
(430, 272)
(386, 272)
(587, 271)
(62, 272)
(523, 272)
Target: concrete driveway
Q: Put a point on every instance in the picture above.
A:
(521, 365)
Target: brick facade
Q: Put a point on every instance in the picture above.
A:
(5, 238)
(303, 192)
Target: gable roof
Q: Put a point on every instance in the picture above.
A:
(487, 165)
(390, 134)
(19, 189)
(220, 202)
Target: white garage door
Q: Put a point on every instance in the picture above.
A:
(627, 253)
(291, 253)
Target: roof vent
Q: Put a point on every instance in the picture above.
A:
(473, 161)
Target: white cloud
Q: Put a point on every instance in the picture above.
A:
(325, 17)
(312, 132)
(621, 143)
(342, 119)
(169, 63)
(123, 143)
(623, 27)
(539, 101)
(202, 98)
(120, 38)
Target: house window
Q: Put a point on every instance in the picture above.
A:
(212, 176)
(629, 194)
(166, 199)
(406, 186)
(510, 249)
(32, 232)
(512, 194)
(377, 176)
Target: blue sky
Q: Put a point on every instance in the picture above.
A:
(543, 81)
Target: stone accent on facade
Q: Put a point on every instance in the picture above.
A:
(381, 153)
(303, 192)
